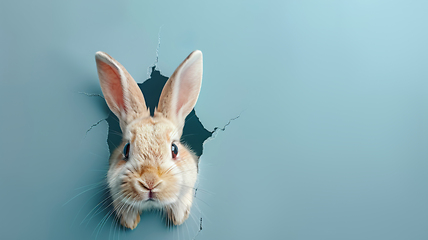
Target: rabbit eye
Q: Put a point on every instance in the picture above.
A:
(126, 151)
(174, 150)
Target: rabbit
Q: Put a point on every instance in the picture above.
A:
(151, 168)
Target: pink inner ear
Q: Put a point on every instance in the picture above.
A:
(189, 90)
(113, 83)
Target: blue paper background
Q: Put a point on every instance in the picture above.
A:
(331, 142)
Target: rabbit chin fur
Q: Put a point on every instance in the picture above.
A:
(153, 174)
(150, 162)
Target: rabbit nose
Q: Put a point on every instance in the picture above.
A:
(150, 185)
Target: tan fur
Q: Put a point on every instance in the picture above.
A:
(150, 169)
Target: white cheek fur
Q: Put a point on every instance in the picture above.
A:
(115, 176)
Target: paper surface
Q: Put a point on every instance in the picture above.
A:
(330, 142)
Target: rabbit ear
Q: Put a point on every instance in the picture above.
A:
(181, 91)
(122, 94)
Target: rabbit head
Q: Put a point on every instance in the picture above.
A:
(151, 168)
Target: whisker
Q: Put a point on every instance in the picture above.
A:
(78, 195)
(98, 210)
(78, 213)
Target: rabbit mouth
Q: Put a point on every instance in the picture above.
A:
(152, 195)
(147, 197)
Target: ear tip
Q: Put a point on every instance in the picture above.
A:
(197, 53)
(101, 56)
(195, 56)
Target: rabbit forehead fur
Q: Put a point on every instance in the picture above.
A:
(151, 139)
(150, 159)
